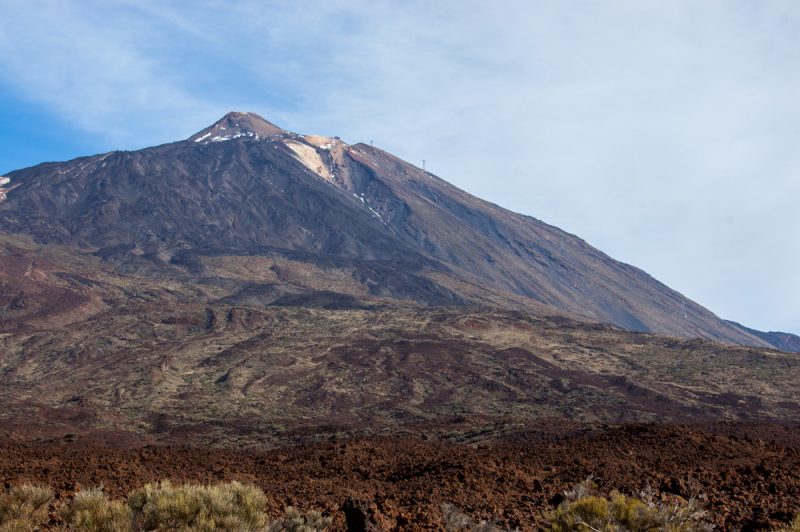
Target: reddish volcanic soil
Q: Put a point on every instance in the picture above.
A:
(746, 475)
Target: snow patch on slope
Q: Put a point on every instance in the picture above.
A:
(223, 138)
(372, 211)
(4, 191)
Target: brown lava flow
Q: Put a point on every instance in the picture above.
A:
(746, 475)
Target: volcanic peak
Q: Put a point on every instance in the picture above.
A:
(235, 125)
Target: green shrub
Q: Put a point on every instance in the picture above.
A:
(231, 506)
(24, 507)
(92, 511)
(296, 521)
(586, 510)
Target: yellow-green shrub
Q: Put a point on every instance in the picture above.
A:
(92, 511)
(231, 506)
(585, 510)
(24, 507)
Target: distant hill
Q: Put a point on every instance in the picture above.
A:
(782, 340)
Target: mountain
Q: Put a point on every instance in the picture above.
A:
(250, 285)
(341, 225)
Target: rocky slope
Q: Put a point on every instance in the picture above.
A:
(367, 224)
(254, 350)
(228, 375)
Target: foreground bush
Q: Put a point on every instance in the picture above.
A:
(231, 506)
(24, 507)
(237, 507)
(92, 511)
(585, 510)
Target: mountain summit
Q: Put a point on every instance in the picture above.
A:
(337, 222)
(236, 125)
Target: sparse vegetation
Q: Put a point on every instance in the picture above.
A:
(794, 526)
(230, 506)
(92, 511)
(237, 507)
(296, 521)
(586, 510)
(455, 520)
(24, 507)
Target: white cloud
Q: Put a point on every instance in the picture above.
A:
(662, 132)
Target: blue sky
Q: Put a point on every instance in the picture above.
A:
(663, 132)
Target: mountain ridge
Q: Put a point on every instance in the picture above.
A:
(405, 233)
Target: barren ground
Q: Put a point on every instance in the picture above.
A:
(746, 475)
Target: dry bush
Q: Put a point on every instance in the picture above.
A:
(456, 520)
(24, 507)
(92, 511)
(794, 526)
(586, 510)
(297, 521)
(230, 506)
